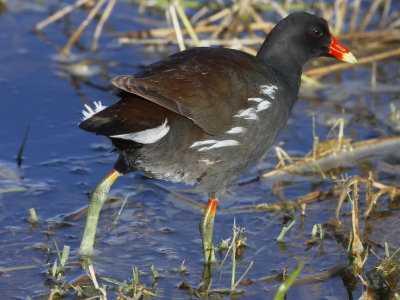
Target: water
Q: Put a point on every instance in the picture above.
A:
(61, 164)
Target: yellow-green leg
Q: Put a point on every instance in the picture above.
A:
(206, 230)
(97, 200)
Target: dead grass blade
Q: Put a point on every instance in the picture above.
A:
(99, 28)
(77, 34)
(291, 205)
(177, 28)
(18, 268)
(187, 24)
(354, 15)
(59, 14)
(370, 14)
(334, 158)
(371, 197)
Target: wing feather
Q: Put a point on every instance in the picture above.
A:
(206, 85)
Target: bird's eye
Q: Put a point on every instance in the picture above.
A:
(316, 32)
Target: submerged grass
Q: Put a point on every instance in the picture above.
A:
(22, 148)
(57, 272)
(285, 229)
(285, 286)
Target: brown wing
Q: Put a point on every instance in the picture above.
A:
(206, 85)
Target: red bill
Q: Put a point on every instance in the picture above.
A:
(339, 51)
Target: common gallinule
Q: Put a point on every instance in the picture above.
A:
(205, 115)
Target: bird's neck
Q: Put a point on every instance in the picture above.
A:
(288, 67)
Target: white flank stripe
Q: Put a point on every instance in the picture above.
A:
(236, 130)
(207, 162)
(268, 90)
(220, 144)
(201, 143)
(147, 136)
(258, 100)
(263, 105)
(90, 112)
(248, 114)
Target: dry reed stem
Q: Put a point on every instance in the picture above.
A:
(77, 34)
(325, 275)
(312, 197)
(59, 14)
(373, 201)
(162, 32)
(18, 268)
(343, 195)
(369, 15)
(282, 156)
(318, 72)
(226, 21)
(99, 28)
(371, 197)
(373, 35)
(279, 9)
(83, 279)
(255, 15)
(241, 16)
(214, 17)
(143, 6)
(385, 13)
(257, 19)
(92, 276)
(369, 194)
(340, 135)
(395, 24)
(340, 8)
(390, 189)
(354, 15)
(187, 24)
(318, 196)
(359, 148)
(234, 43)
(356, 246)
(230, 22)
(177, 28)
(199, 15)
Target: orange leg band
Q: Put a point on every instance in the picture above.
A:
(112, 176)
(211, 208)
(206, 229)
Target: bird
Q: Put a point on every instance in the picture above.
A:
(205, 115)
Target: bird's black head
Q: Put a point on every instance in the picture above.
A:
(302, 36)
